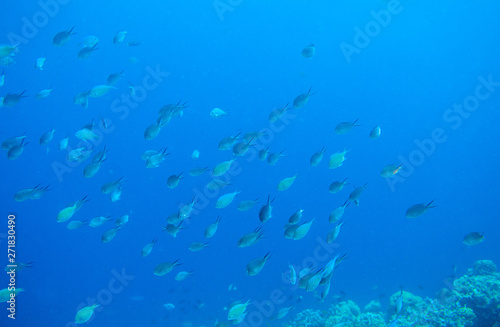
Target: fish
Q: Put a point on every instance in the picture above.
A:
(109, 235)
(217, 113)
(47, 137)
(197, 246)
(390, 170)
(295, 217)
(173, 180)
(338, 212)
(345, 127)
(119, 36)
(90, 40)
(302, 99)
(212, 228)
(39, 63)
(86, 52)
(337, 186)
(277, 114)
(83, 315)
(100, 90)
(337, 159)
(308, 51)
(302, 230)
(266, 210)
(226, 199)
(317, 157)
(418, 209)
(251, 238)
(354, 196)
(286, 183)
(165, 267)
(82, 99)
(255, 266)
(16, 151)
(11, 99)
(115, 77)
(473, 238)
(146, 250)
(375, 133)
(247, 205)
(63, 37)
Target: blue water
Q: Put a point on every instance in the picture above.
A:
(247, 61)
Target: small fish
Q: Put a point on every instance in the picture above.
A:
(119, 36)
(390, 170)
(212, 228)
(302, 99)
(255, 266)
(63, 37)
(39, 63)
(309, 51)
(317, 157)
(43, 94)
(354, 196)
(217, 113)
(473, 238)
(90, 41)
(418, 209)
(286, 183)
(2, 78)
(169, 306)
(83, 315)
(375, 133)
(344, 127)
(226, 199)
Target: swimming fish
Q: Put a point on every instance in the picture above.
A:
(251, 238)
(12, 99)
(47, 137)
(83, 315)
(212, 228)
(302, 99)
(337, 159)
(226, 199)
(354, 196)
(146, 250)
(317, 157)
(418, 209)
(39, 63)
(266, 211)
(390, 170)
(63, 37)
(247, 204)
(337, 213)
(165, 267)
(375, 133)
(173, 180)
(90, 40)
(217, 113)
(43, 94)
(119, 36)
(100, 90)
(86, 52)
(308, 51)
(286, 183)
(473, 238)
(255, 266)
(337, 186)
(344, 127)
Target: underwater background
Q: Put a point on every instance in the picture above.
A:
(407, 66)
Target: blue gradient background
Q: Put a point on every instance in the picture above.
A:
(427, 59)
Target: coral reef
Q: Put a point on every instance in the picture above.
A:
(473, 301)
(480, 291)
